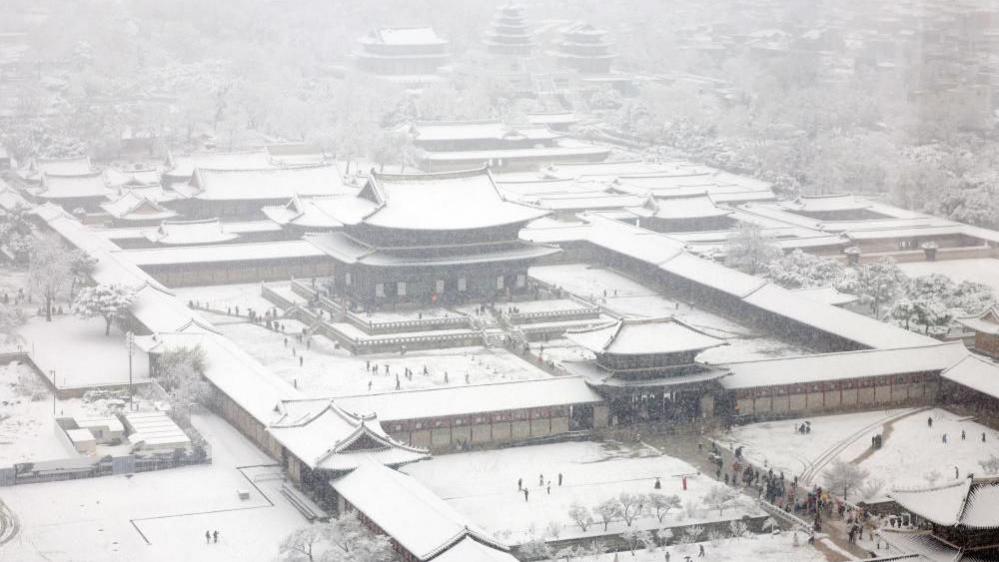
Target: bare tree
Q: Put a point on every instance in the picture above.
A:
(49, 269)
(608, 510)
(845, 476)
(631, 506)
(720, 497)
(302, 545)
(581, 516)
(663, 503)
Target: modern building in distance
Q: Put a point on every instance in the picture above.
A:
(430, 238)
(585, 48)
(403, 53)
(509, 34)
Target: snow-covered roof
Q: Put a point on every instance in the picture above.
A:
(478, 130)
(976, 373)
(76, 166)
(404, 36)
(643, 337)
(187, 233)
(471, 550)
(230, 369)
(834, 320)
(443, 201)
(136, 178)
(472, 399)
(134, 206)
(325, 436)
(631, 241)
(987, 322)
(679, 208)
(314, 213)
(826, 295)
(266, 184)
(181, 167)
(476, 157)
(972, 502)
(826, 203)
(715, 275)
(284, 249)
(844, 365)
(558, 118)
(91, 185)
(416, 518)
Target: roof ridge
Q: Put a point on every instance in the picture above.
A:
(443, 389)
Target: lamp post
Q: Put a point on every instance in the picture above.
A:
(55, 391)
(130, 339)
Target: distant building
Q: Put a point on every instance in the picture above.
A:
(464, 145)
(402, 52)
(508, 34)
(430, 238)
(585, 48)
(242, 193)
(135, 209)
(73, 192)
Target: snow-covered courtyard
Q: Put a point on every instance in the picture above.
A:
(326, 370)
(913, 452)
(483, 486)
(160, 515)
(79, 352)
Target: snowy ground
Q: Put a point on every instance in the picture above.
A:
(483, 485)
(911, 452)
(160, 515)
(327, 371)
(984, 270)
(629, 298)
(752, 548)
(221, 297)
(79, 352)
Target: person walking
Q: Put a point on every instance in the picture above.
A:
(929, 421)
(963, 435)
(208, 537)
(215, 536)
(526, 494)
(559, 478)
(700, 553)
(520, 483)
(541, 480)
(944, 437)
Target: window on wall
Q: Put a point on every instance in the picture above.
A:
(462, 284)
(521, 280)
(380, 290)
(346, 279)
(400, 288)
(499, 282)
(439, 286)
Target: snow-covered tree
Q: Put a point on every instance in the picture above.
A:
(877, 284)
(692, 534)
(664, 535)
(990, 465)
(770, 524)
(83, 265)
(581, 516)
(11, 318)
(536, 549)
(872, 488)
(344, 539)
(631, 506)
(902, 312)
(738, 529)
(608, 510)
(303, 544)
(553, 529)
(351, 541)
(931, 314)
(569, 553)
(663, 503)
(180, 372)
(800, 270)
(49, 269)
(719, 497)
(844, 476)
(749, 250)
(106, 301)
